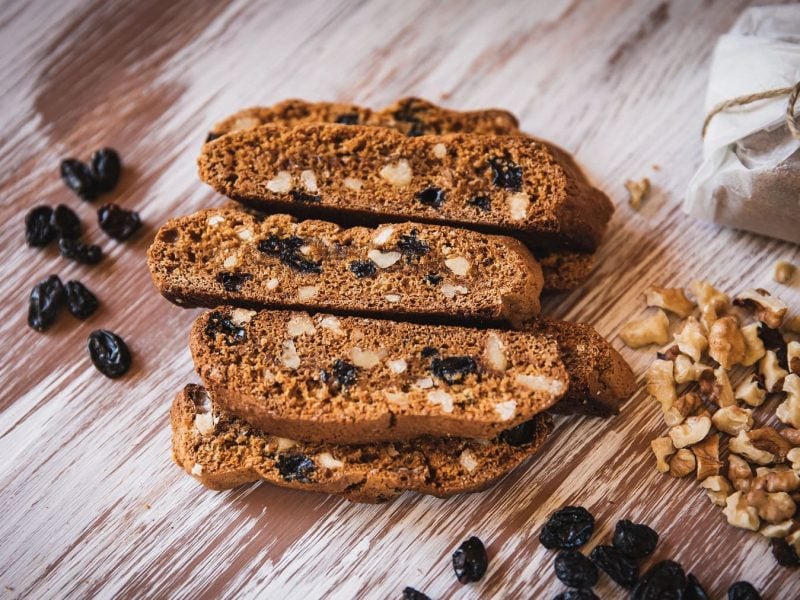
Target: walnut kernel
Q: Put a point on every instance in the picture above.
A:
(673, 300)
(691, 339)
(767, 308)
(726, 344)
(653, 329)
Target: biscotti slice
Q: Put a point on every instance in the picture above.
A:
(410, 116)
(223, 451)
(356, 380)
(497, 184)
(405, 270)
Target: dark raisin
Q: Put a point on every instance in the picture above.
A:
(79, 252)
(429, 351)
(568, 527)
(80, 301)
(344, 372)
(106, 167)
(347, 119)
(296, 467)
(117, 222)
(78, 177)
(363, 268)
(433, 278)
(634, 540)
(66, 222)
(288, 251)
(453, 369)
(212, 136)
(431, 196)
(742, 590)
(219, 323)
(39, 230)
(44, 302)
(481, 202)
(417, 129)
(506, 174)
(232, 282)
(470, 560)
(784, 553)
(522, 434)
(304, 197)
(616, 565)
(665, 580)
(577, 594)
(694, 591)
(773, 340)
(410, 593)
(574, 569)
(411, 246)
(109, 353)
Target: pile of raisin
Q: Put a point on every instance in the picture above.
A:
(98, 177)
(49, 295)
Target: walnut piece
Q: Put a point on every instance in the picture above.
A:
(783, 271)
(691, 339)
(772, 371)
(793, 456)
(788, 411)
(743, 446)
(793, 356)
(653, 329)
(717, 488)
(684, 370)
(750, 392)
(660, 383)
(673, 300)
(638, 191)
(694, 430)
(772, 507)
(753, 346)
(662, 448)
(682, 463)
(732, 419)
(792, 324)
(777, 479)
(739, 514)
(726, 344)
(791, 435)
(778, 530)
(681, 408)
(769, 440)
(707, 295)
(739, 473)
(767, 308)
(707, 456)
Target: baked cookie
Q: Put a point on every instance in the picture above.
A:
(401, 270)
(356, 380)
(222, 452)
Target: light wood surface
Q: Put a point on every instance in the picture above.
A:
(91, 504)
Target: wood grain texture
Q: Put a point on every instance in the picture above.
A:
(92, 505)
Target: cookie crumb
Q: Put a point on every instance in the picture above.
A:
(638, 190)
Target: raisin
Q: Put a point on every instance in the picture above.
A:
(78, 177)
(634, 540)
(506, 174)
(66, 222)
(431, 196)
(347, 119)
(296, 467)
(304, 198)
(39, 230)
(616, 565)
(411, 246)
(106, 167)
(665, 580)
(433, 278)
(429, 351)
(568, 527)
(470, 560)
(45, 300)
(363, 268)
(481, 202)
(109, 353)
(453, 369)
(212, 136)
(694, 591)
(784, 553)
(743, 590)
(117, 222)
(79, 252)
(80, 301)
(417, 129)
(577, 594)
(232, 282)
(288, 251)
(773, 340)
(574, 569)
(344, 372)
(219, 323)
(410, 593)
(519, 435)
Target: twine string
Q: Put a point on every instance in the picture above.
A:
(791, 121)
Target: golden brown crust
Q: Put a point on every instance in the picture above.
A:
(499, 184)
(229, 452)
(358, 380)
(427, 272)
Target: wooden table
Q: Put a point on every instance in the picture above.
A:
(91, 504)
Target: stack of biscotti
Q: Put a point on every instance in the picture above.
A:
(375, 296)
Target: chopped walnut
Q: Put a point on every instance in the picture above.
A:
(717, 488)
(726, 344)
(732, 419)
(660, 383)
(793, 456)
(778, 530)
(792, 324)
(767, 308)
(691, 339)
(739, 514)
(682, 463)
(791, 435)
(691, 432)
(772, 507)
(686, 371)
(638, 191)
(772, 371)
(742, 444)
(739, 473)
(753, 346)
(673, 300)
(769, 440)
(653, 329)
(707, 295)
(663, 449)
(777, 479)
(783, 271)
(707, 455)
(681, 408)
(793, 356)
(788, 411)
(750, 392)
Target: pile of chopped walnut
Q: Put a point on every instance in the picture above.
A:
(728, 385)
